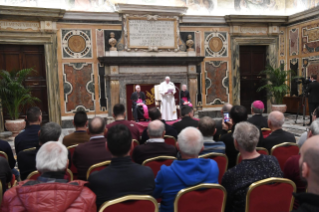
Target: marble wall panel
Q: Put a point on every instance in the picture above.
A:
(313, 66)
(78, 87)
(282, 40)
(100, 45)
(310, 38)
(76, 43)
(216, 82)
(216, 44)
(294, 42)
(294, 65)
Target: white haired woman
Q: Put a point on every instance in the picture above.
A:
(53, 193)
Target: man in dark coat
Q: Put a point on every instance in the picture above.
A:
(137, 96)
(187, 120)
(257, 109)
(313, 98)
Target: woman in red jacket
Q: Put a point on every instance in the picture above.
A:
(50, 192)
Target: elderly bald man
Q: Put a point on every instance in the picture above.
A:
(309, 168)
(94, 151)
(155, 145)
(275, 121)
(189, 171)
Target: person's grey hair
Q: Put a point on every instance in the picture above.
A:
(184, 85)
(227, 107)
(276, 122)
(167, 77)
(190, 141)
(137, 86)
(52, 157)
(314, 127)
(49, 132)
(256, 110)
(246, 135)
(156, 132)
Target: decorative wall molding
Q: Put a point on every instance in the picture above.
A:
(310, 38)
(203, 19)
(294, 42)
(76, 43)
(216, 44)
(265, 19)
(79, 88)
(216, 82)
(282, 42)
(91, 16)
(305, 15)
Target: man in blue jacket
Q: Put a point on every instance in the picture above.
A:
(187, 172)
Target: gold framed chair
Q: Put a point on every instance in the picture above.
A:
(265, 131)
(260, 150)
(135, 142)
(29, 149)
(156, 163)
(97, 167)
(73, 168)
(120, 205)
(4, 155)
(170, 140)
(275, 198)
(35, 174)
(212, 191)
(222, 162)
(284, 151)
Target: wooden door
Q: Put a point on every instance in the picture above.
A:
(252, 62)
(17, 57)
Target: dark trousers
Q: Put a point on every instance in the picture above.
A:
(138, 112)
(312, 107)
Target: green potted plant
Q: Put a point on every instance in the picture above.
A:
(14, 96)
(276, 84)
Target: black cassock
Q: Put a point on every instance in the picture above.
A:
(138, 112)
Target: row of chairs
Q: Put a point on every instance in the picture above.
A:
(272, 194)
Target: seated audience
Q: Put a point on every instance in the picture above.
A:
(155, 114)
(219, 124)
(80, 135)
(237, 114)
(257, 109)
(187, 172)
(26, 159)
(92, 152)
(309, 168)
(252, 168)
(119, 115)
(275, 121)
(122, 177)
(5, 173)
(50, 192)
(292, 169)
(187, 119)
(29, 137)
(6, 148)
(206, 126)
(304, 135)
(155, 145)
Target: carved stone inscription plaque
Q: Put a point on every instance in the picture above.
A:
(153, 33)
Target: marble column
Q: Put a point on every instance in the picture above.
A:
(115, 93)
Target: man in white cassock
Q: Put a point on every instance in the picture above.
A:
(168, 107)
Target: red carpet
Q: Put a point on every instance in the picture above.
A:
(143, 124)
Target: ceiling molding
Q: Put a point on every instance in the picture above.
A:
(150, 9)
(303, 16)
(204, 19)
(92, 16)
(265, 19)
(30, 13)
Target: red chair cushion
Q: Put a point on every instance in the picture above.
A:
(170, 141)
(266, 133)
(222, 164)
(132, 206)
(73, 168)
(284, 153)
(206, 200)
(273, 197)
(156, 165)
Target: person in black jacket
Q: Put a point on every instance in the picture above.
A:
(275, 121)
(29, 137)
(187, 120)
(155, 114)
(122, 177)
(309, 169)
(219, 124)
(6, 148)
(5, 173)
(257, 109)
(184, 97)
(138, 98)
(313, 98)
